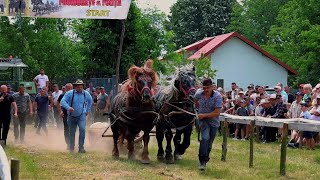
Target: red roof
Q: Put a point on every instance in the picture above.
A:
(207, 46)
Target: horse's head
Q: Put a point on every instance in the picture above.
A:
(186, 81)
(144, 80)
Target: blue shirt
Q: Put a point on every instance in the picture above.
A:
(209, 105)
(81, 104)
(42, 104)
(306, 115)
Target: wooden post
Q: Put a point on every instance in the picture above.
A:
(224, 143)
(257, 134)
(252, 124)
(119, 56)
(283, 155)
(15, 168)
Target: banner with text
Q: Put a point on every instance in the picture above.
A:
(81, 9)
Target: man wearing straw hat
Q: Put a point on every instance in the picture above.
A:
(78, 102)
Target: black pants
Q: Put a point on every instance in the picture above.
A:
(180, 148)
(4, 127)
(270, 134)
(66, 129)
(20, 121)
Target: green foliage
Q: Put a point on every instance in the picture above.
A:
(145, 38)
(253, 18)
(192, 20)
(176, 60)
(295, 38)
(288, 29)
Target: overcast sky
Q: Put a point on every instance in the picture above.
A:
(163, 5)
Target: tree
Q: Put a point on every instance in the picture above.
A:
(192, 20)
(253, 18)
(144, 38)
(295, 38)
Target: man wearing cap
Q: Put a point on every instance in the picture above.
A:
(6, 101)
(278, 91)
(78, 102)
(101, 104)
(23, 104)
(269, 133)
(209, 107)
(56, 113)
(64, 115)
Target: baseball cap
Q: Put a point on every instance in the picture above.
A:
(101, 87)
(207, 82)
(242, 101)
(264, 101)
(301, 85)
(299, 94)
(241, 92)
(303, 103)
(308, 99)
(273, 96)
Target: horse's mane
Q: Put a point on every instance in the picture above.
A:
(134, 70)
(171, 92)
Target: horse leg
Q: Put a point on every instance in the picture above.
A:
(185, 142)
(115, 132)
(160, 136)
(169, 157)
(177, 143)
(145, 153)
(130, 146)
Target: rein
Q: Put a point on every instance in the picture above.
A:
(180, 109)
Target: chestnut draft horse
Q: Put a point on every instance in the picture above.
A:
(132, 109)
(177, 111)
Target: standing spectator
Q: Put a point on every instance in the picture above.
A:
(262, 93)
(283, 93)
(233, 93)
(210, 103)
(56, 113)
(101, 104)
(280, 112)
(78, 102)
(42, 103)
(301, 88)
(97, 90)
(93, 114)
(278, 91)
(290, 96)
(41, 80)
(63, 89)
(24, 104)
(307, 89)
(90, 89)
(316, 93)
(64, 115)
(6, 101)
(307, 135)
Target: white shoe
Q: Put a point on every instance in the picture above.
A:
(236, 139)
(243, 139)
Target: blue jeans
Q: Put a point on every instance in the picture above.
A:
(73, 122)
(208, 132)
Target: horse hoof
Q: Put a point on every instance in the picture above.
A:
(131, 157)
(160, 157)
(169, 160)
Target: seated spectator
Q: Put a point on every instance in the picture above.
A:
(290, 96)
(295, 112)
(307, 135)
(241, 111)
(315, 93)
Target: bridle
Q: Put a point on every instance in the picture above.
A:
(185, 92)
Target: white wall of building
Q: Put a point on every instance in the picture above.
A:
(236, 61)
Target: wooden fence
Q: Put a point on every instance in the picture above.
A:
(286, 124)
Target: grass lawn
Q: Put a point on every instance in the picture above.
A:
(45, 164)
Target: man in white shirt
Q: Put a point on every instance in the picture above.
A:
(56, 112)
(41, 80)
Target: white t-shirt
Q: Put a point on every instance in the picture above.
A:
(42, 79)
(55, 96)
